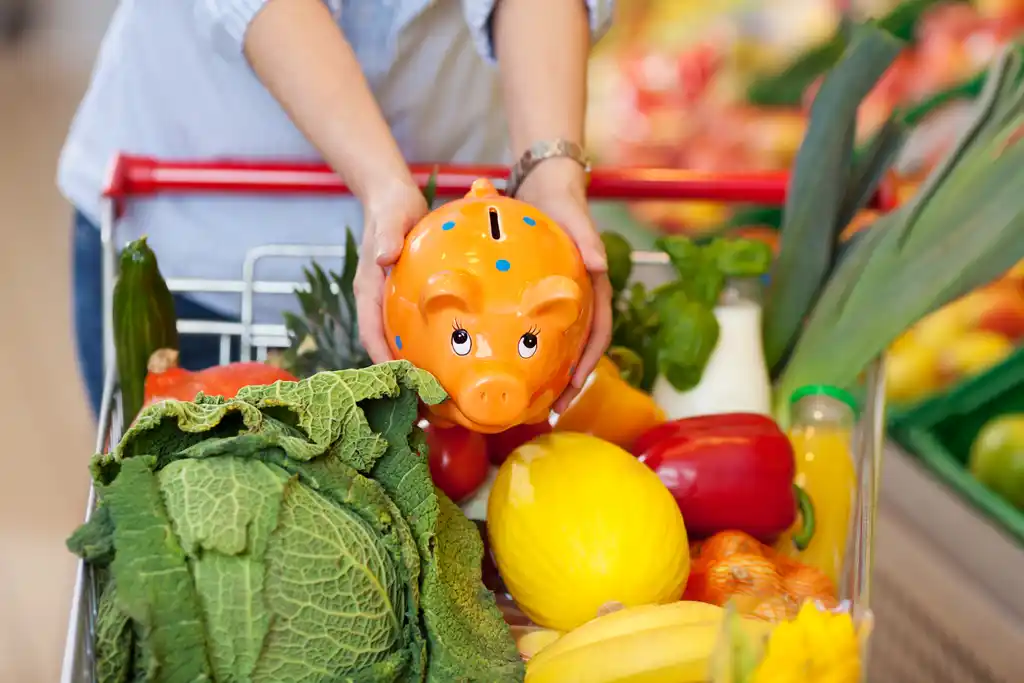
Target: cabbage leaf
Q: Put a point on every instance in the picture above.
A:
(290, 534)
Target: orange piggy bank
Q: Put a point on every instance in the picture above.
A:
(492, 298)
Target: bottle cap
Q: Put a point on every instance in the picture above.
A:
(825, 390)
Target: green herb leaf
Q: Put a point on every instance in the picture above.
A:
(635, 327)
(743, 258)
(683, 253)
(686, 340)
(697, 268)
(620, 261)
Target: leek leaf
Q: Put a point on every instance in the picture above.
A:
(961, 232)
(817, 187)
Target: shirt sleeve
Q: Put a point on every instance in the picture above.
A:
(226, 22)
(478, 15)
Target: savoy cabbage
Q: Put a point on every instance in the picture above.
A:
(290, 534)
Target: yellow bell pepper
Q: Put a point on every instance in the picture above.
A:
(610, 408)
(816, 647)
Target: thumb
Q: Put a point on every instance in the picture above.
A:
(582, 231)
(594, 257)
(388, 246)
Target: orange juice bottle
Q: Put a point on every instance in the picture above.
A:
(823, 418)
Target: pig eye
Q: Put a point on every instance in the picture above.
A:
(461, 343)
(528, 345)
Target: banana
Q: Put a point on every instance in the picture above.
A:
(632, 620)
(679, 653)
(533, 641)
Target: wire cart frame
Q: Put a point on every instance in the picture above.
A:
(134, 178)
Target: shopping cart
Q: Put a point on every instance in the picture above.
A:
(135, 178)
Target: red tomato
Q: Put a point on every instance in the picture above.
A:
(458, 460)
(501, 445)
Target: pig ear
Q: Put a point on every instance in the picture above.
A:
(455, 290)
(555, 297)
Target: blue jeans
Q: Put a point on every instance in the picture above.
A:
(197, 352)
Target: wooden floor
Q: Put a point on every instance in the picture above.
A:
(47, 430)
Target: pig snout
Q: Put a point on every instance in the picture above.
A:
(493, 400)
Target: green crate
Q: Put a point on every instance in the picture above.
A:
(940, 431)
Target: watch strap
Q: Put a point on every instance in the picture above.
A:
(537, 154)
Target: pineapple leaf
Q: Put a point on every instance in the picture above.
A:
(346, 289)
(348, 272)
(430, 191)
(295, 324)
(325, 336)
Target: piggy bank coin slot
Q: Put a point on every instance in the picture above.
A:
(495, 219)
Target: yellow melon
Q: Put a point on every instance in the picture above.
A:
(578, 525)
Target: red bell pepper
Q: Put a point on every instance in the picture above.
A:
(729, 472)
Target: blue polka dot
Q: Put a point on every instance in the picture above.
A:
(448, 226)
(398, 343)
(572, 370)
(503, 265)
(529, 221)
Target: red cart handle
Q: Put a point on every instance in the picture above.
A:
(135, 176)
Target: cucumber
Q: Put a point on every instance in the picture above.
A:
(144, 321)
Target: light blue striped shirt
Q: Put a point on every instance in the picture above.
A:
(171, 82)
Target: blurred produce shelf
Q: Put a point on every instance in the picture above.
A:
(948, 586)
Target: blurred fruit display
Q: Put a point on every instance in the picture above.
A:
(671, 87)
(670, 83)
(962, 340)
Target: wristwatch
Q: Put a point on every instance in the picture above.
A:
(540, 151)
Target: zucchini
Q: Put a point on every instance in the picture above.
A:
(144, 321)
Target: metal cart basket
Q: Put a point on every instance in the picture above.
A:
(136, 178)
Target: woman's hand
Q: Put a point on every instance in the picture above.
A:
(558, 188)
(301, 56)
(390, 213)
